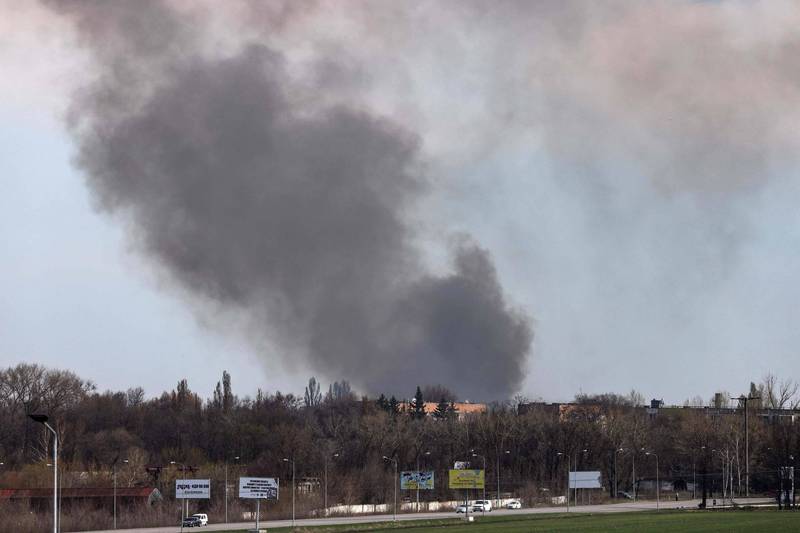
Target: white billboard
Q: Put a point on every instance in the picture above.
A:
(585, 480)
(259, 488)
(199, 489)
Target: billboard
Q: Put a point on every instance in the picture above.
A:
(466, 479)
(199, 489)
(585, 480)
(258, 488)
(416, 480)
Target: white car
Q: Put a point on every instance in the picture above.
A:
(202, 517)
(463, 508)
(514, 504)
(482, 506)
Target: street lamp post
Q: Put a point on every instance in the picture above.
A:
(658, 488)
(744, 399)
(42, 419)
(585, 451)
(484, 478)
(185, 503)
(616, 486)
(633, 472)
(418, 478)
(507, 452)
(114, 475)
(335, 455)
(394, 462)
(226, 487)
(568, 473)
(287, 460)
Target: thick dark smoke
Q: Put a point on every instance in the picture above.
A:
(293, 213)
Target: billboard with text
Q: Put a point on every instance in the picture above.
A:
(416, 480)
(193, 489)
(258, 488)
(466, 479)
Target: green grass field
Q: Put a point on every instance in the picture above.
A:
(677, 521)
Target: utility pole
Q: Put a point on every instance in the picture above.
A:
(744, 399)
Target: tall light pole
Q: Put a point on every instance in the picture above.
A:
(744, 399)
(507, 452)
(287, 460)
(616, 487)
(568, 472)
(585, 451)
(185, 503)
(633, 472)
(394, 462)
(694, 472)
(484, 477)
(658, 488)
(335, 455)
(427, 454)
(226, 487)
(42, 419)
(114, 475)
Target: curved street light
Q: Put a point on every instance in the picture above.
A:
(42, 419)
(114, 475)
(507, 452)
(565, 454)
(287, 460)
(236, 458)
(394, 462)
(483, 506)
(327, 456)
(616, 487)
(658, 485)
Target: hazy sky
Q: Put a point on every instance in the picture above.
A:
(630, 168)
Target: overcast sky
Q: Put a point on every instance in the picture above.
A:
(631, 169)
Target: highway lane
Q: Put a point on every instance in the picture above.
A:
(603, 508)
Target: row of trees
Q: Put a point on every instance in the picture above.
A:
(348, 436)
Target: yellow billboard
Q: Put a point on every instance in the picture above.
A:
(466, 479)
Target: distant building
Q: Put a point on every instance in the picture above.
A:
(462, 408)
(597, 411)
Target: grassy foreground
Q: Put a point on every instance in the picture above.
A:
(669, 521)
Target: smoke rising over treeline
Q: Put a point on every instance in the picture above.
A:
(631, 167)
(294, 215)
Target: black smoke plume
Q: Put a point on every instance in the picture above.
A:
(290, 212)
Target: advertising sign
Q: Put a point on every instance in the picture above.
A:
(585, 480)
(199, 489)
(416, 480)
(466, 479)
(258, 488)
(461, 465)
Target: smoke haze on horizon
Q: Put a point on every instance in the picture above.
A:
(625, 172)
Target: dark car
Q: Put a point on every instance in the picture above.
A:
(192, 521)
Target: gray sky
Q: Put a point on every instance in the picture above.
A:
(631, 170)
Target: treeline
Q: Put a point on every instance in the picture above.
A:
(349, 436)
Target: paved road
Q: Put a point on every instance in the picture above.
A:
(604, 508)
